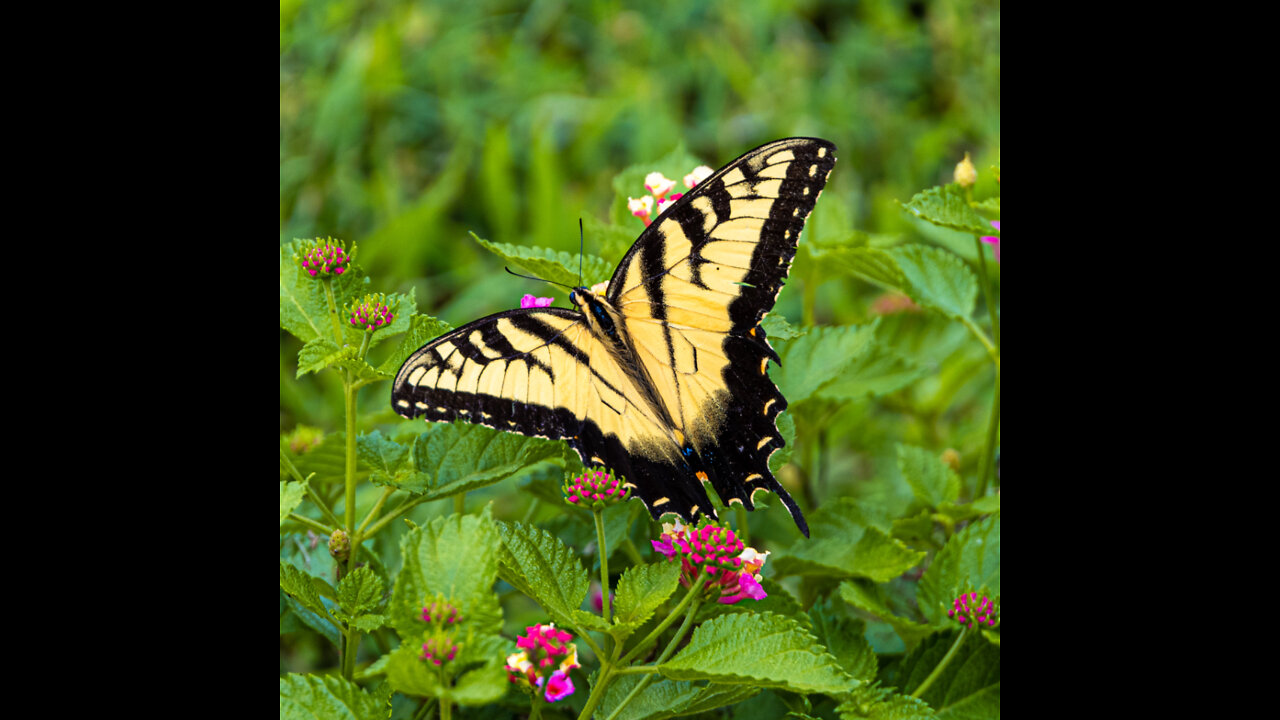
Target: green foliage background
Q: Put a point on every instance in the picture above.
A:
(405, 126)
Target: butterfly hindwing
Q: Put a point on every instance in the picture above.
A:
(693, 290)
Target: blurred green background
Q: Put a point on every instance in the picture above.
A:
(404, 125)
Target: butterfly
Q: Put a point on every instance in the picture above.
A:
(661, 378)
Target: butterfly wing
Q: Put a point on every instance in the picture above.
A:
(692, 292)
(541, 372)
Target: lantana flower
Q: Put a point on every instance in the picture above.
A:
(545, 657)
(529, 301)
(700, 173)
(968, 610)
(325, 257)
(439, 646)
(660, 186)
(596, 489)
(371, 312)
(734, 568)
(993, 239)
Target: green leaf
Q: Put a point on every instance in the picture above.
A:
(450, 458)
(318, 354)
(360, 591)
(844, 638)
(874, 264)
(388, 460)
(987, 505)
(328, 461)
(455, 557)
(641, 591)
(297, 584)
(873, 374)
(422, 330)
(778, 600)
(764, 650)
(613, 240)
(291, 495)
(818, 356)
(369, 623)
(937, 279)
(990, 206)
(843, 544)
(969, 686)
(947, 207)
(932, 481)
(969, 562)
(787, 429)
(555, 266)
(305, 697)
(540, 566)
(886, 706)
(863, 597)
(776, 327)
(668, 698)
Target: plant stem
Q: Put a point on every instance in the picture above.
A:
(317, 526)
(671, 647)
(386, 493)
(604, 564)
(597, 691)
(744, 532)
(425, 710)
(989, 450)
(941, 665)
(666, 623)
(986, 291)
(460, 503)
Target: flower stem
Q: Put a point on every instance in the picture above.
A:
(597, 691)
(941, 665)
(671, 647)
(666, 623)
(386, 493)
(460, 503)
(604, 564)
(989, 450)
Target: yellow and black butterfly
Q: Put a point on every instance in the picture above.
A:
(661, 378)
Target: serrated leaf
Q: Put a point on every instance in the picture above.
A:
(987, 505)
(787, 429)
(369, 623)
(422, 330)
(937, 279)
(843, 544)
(669, 698)
(932, 481)
(843, 636)
(450, 458)
(540, 566)
(555, 266)
(297, 584)
(892, 707)
(305, 697)
(969, 562)
(360, 591)
(456, 557)
(316, 622)
(873, 374)
(967, 688)
(641, 591)
(818, 356)
(328, 461)
(318, 354)
(864, 598)
(764, 650)
(291, 495)
(990, 206)
(388, 460)
(871, 263)
(776, 327)
(947, 207)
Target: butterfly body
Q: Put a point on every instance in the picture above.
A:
(663, 377)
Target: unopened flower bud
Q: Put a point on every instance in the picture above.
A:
(966, 174)
(339, 545)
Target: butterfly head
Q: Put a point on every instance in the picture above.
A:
(603, 318)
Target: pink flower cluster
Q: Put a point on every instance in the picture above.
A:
(442, 611)
(324, 258)
(433, 648)
(659, 185)
(596, 489)
(716, 551)
(529, 301)
(966, 610)
(545, 658)
(371, 313)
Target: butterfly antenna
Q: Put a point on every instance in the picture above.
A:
(580, 246)
(530, 277)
